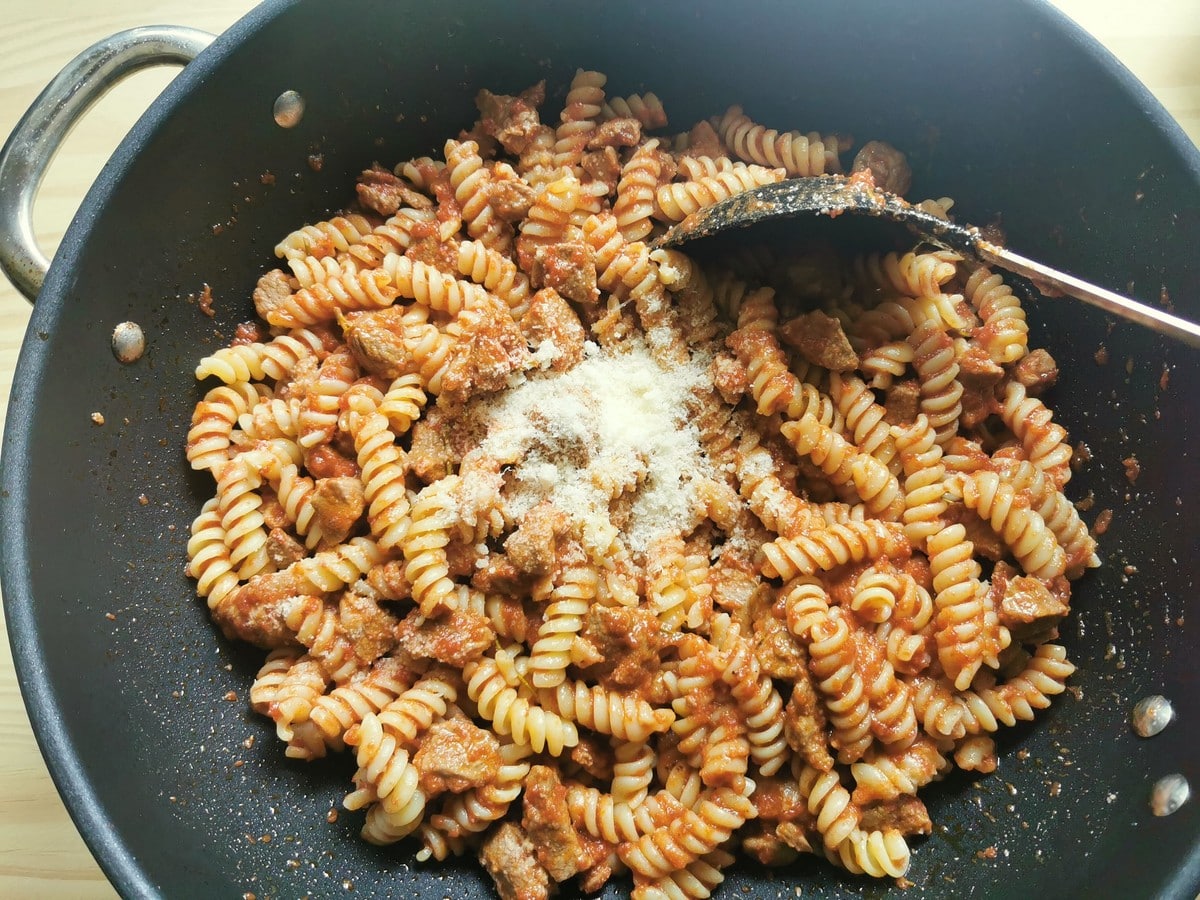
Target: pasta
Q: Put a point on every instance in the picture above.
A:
(599, 557)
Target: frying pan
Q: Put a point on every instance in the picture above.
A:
(1008, 107)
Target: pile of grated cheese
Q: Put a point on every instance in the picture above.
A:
(617, 423)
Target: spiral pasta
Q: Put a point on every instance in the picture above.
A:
(592, 551)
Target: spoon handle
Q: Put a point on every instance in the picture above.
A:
(1043, 276)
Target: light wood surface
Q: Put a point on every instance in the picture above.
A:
(41, 854)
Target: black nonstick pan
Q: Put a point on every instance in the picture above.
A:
(1007, 107)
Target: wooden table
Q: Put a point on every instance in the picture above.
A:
(41, 854)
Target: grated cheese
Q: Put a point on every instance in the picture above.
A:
(617, 423)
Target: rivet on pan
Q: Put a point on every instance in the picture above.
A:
(128, 342)
(1169, 793)
(1151, 715)
(289, 109)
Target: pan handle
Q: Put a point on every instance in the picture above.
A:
(41, 131)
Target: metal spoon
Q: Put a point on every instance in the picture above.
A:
(835, 195)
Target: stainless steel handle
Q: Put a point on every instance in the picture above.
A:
(36, 138)
(1044, 277)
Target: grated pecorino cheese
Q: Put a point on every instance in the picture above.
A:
(616, 423)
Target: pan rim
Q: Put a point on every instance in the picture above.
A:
(39, 694)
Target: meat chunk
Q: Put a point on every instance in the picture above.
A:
(906, 814)
(569, 268)
(455, 639)
(324, 461)
(271, 292)
(778, 652)
(602, 165)
(509, 194)
(903, 402)
(456, 755)
(431, 455)
(628, 640)
(703, 140)
(616, 133)
(389, 581)
(376, 340)
(820, 340)
(531, 548)
(370, 628)
(283, 549)
(887, 165)
(779, 799)
(729, 377)
(484, 360)
(547, 823)
(767, 849)
(549, 318)
(510, 858)
(1024, 604)
(1036, 371)
(593, 756)
(512, 121)
(380, 190)
(338, 504)
(804, 726)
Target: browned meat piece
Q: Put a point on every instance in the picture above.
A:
(431, 454)
(272, 290)
(283, 549)
(255, 616)
(804, 726)
(513, 121)
(779, 654)
(767, 849)
(369, 628)
(249, 333)
(483, 362)
(376, 339)
(729, 377)
(703, 140)
(432, 251)
(460, 559)
(1025, 605)
(273, 513)
(547, 822)
(456, 755)
(323, 461)
(820, 340)
(906, 814)
(594, 756)
(602, 165)
(733, 579)
(509, 857)
(903, 402)
(987, 542)
(779, 799)
(498, 575)
(628, 639)
(549, 318)
(379, 189)
(598, 857)
(509, 194)
(978, 402)
(454, 639)
(337, 505)
(616, 133)
(975, 367)
(569, 268)
(1036, 371)
(887, 164)
(796, 836)
(531, 548)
